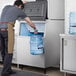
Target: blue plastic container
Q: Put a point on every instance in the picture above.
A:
(36, 45)
(72, 30)
(72, 19)
(72, 23)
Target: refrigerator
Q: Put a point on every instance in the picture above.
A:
(51, 24)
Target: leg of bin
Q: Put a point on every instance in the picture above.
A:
(45, 71)
(65, 74)
(21, 67)
(18, 66)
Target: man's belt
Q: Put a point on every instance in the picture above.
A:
(3, 29)
(4, 22)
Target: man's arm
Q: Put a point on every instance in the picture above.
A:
(27, 19)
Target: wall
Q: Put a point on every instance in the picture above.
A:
(5, 2)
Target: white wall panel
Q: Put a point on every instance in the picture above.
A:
(56, 9)
(52, 42)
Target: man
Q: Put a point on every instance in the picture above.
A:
(8, 17)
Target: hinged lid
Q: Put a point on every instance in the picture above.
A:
(36, 10)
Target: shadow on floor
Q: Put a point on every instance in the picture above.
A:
(25, 73)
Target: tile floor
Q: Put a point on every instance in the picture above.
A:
(50, 71)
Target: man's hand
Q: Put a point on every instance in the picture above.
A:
(35, 31)
(27, 19)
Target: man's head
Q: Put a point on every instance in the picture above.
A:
(19, 4)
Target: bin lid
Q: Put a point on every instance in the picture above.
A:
(36, 10)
